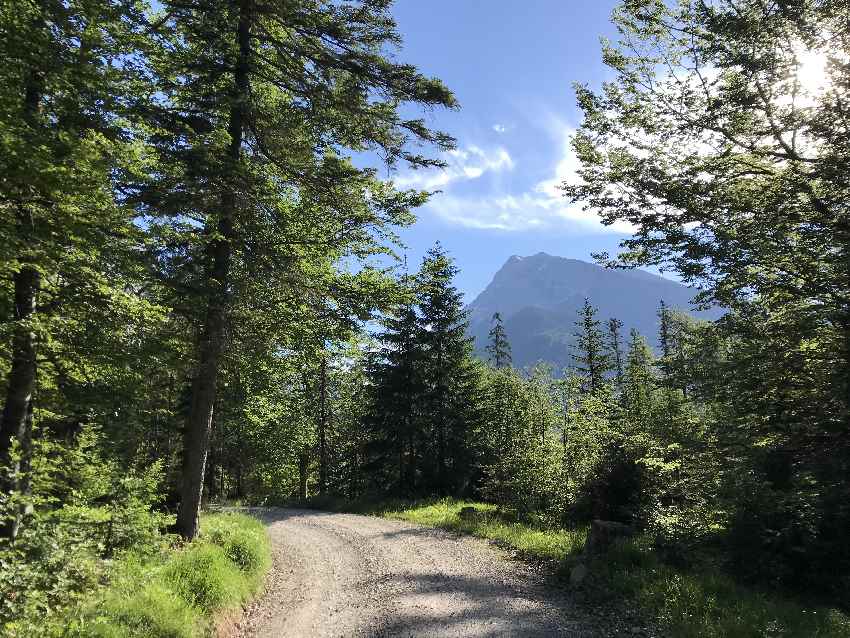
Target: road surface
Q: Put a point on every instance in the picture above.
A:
(347, 575)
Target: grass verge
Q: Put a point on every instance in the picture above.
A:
(704, 603)
(179, 593)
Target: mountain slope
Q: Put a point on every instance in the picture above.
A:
(539, 298)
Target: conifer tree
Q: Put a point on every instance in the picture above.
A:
(665, 342)
(638, 384)
(592, 359)
(256, 100)
(499, 348)
(65, 239)
(731, 164)
(451, 376)
(394, 418)
(616, 353)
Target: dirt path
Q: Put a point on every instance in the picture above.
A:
(348, 575)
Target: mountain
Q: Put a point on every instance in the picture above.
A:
(539, 298)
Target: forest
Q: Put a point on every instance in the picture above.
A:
(204, 298)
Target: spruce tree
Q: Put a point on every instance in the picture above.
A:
(449, 370)
(638, 384)
(257, 101)
(66, 240)
(732, 168)
(395, 416)
(499, 348)
(590, 355)
(665, 343)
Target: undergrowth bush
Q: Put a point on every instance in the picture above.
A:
(203, 576)
(151, 612)
(178, 595)
(59, 589)
(85, 509)
(244, 541)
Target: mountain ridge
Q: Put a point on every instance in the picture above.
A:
(539, 296)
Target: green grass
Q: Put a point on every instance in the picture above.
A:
(179, 594)
(490, 524)
(704, 603)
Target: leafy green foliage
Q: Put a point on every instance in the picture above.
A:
(729, 163)
(86, 508)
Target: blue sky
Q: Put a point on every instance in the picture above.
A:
(511, 64)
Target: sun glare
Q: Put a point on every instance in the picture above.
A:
(811, 71)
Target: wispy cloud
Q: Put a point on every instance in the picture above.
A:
(500, 128)
(463, 164)
(542, 206)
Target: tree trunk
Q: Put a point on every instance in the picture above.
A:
(211, 340)
(323, 417)
(16, 423)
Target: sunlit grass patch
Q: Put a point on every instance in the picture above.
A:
(487, 522)
(178, 593)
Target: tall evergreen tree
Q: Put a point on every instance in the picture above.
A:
(591, 357)
(255, 101)
(638, 384)
(394, 419)
(66, 240)
(499, 348)
(450, 374)
(732, 166)
(616, 349)
(666, 343)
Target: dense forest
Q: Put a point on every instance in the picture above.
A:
(203, 296)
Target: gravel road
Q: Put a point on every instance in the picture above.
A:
(348, 575)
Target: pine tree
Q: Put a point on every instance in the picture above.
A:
(592, 360)
(638, 386)
(732, 169)
(499, 348)
(256, 100)
(451, 377)
(665, 342)
(394, 418)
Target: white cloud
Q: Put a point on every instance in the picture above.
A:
(463, 164)
(500, 128)
(543, 206)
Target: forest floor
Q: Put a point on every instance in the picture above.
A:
(349, 575)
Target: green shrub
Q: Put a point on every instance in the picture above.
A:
(174, 594)
(705, 602)
(63, 553)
